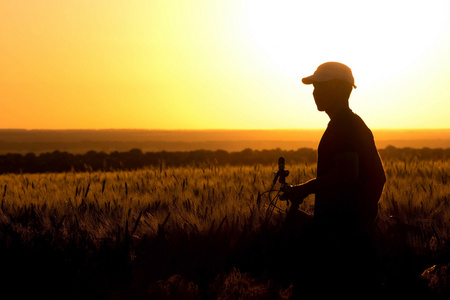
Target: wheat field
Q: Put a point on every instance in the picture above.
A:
(159, 232)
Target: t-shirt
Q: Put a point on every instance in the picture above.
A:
(347, 132)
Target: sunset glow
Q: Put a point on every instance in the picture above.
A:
(219, 64)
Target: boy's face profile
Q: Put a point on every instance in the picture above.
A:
(324, 95)
(331, 95)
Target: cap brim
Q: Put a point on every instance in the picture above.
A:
(311, 79)
(308, 80)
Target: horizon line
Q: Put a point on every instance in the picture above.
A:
(205, 129)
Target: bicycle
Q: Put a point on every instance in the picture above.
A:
(280, 176)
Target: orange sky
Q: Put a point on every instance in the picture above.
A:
(233, 64)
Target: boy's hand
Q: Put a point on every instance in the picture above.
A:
(296, 194)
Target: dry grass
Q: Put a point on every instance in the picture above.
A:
(120, 233)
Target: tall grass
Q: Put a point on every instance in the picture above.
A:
(121, 233)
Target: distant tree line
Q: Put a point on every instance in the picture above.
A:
(135, 159)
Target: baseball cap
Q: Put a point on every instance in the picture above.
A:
(329, 71)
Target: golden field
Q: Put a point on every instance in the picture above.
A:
(144, 232)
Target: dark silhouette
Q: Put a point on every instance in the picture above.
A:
(348, 186)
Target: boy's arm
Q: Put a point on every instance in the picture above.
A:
(345, 173)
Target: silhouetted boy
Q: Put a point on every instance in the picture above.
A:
(349, 182)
